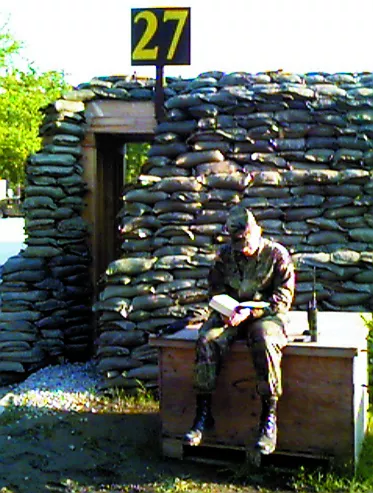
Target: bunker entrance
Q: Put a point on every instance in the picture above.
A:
(119, 162)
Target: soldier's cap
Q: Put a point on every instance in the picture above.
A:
(240, 219)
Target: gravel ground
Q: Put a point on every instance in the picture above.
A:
(66, 387)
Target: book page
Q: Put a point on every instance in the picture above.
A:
(225, 304)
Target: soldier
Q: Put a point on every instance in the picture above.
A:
(248, 268)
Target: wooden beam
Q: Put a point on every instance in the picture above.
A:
(129, 119)
(123, 117)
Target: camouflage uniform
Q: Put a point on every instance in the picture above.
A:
(268, 275)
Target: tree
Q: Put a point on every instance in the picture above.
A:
(22, 93)
(136, 154)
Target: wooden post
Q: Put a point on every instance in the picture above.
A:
(316, 418)
(159, 94)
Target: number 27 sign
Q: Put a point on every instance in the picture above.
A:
(160, 36)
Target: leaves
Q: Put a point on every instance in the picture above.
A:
(135, 155)
(22, 93)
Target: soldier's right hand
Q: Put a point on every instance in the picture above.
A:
(239, 315)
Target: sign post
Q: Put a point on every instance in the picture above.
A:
(160, 37)
(159, 94)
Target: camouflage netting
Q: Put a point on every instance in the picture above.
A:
(298, 150)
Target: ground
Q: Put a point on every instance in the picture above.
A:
(96, 451)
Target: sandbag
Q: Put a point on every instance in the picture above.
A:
(130, 266)
(43, 159)
(127, 338)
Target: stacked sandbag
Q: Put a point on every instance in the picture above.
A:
(124, 88)
(56, 232)
(45, 292)
(122, 347)
(296, 149)
(321, 233)
(46, 289)
(21, 350)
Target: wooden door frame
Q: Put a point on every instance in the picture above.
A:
(105, 117)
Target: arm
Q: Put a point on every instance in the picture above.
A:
(283, 285)
(216, 275)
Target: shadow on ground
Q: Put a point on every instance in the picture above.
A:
(88, 452)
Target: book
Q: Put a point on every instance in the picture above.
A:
(225, 304)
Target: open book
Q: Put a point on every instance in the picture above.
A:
(225, 304)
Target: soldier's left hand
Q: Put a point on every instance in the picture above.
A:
(239, 315)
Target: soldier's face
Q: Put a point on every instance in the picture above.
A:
(247, 241)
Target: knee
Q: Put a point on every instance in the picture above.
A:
(266, 333)
(202, 342)
(263, 389)
(204, 345)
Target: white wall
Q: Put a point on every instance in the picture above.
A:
(2, 189)
(12, 237)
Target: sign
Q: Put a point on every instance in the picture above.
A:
(160, 36)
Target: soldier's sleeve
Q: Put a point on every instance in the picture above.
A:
(284, 281)
(216, 275)
(283, 284)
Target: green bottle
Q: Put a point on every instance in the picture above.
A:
(312, 311)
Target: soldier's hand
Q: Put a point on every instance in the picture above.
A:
(239, 315)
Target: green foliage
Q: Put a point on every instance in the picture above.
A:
(136, 155)
(178, 485)
(22, 93)
(8, 48)
(338, 481)
(369, 324)
(118, 400)
(365, 466)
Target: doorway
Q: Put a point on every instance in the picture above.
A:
(119, 161)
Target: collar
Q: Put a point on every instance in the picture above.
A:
(258, 251)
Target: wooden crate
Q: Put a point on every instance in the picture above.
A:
(323, 410)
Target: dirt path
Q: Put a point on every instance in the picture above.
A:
(83, 452)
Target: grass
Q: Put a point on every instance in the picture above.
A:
(166, 485)
(240, 478)
(339, 481)
(119, 401)
(246, 478)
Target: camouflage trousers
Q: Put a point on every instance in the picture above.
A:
(266, 339)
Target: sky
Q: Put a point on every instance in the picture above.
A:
(88, 38)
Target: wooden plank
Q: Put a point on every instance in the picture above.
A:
(220, 454)
(341, 334)
(129, 119)
(308, 385)
(124, 117)
(315, 416)
(305, 349)
(360, 402)
(89, 162)
(172, 448)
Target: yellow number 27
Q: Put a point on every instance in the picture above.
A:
(180, 16)
(141, 52)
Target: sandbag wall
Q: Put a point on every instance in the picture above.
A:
(45, 291)
(297, 150)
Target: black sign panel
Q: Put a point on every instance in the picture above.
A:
(160, 36)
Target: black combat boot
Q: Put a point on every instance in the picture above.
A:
(266, 443)
(202, 421)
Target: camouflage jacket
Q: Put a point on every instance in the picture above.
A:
(268, 275)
